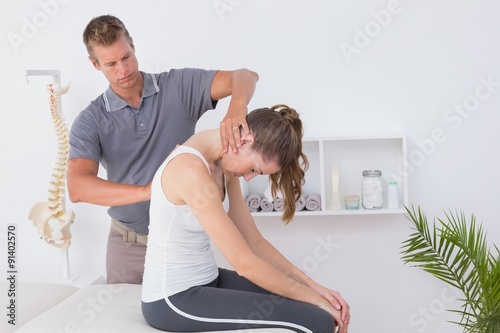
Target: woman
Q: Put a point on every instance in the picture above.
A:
(183, 289)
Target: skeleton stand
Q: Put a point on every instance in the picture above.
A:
(55, 209)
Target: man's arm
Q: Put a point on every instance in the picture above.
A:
(85, 186)
(240, 85)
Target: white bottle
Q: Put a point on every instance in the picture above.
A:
(336, 199)
(392, 195)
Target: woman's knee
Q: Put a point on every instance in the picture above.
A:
(324, 321)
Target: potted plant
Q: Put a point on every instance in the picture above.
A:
(455, 251)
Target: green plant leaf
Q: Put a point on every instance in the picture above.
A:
(455, 250)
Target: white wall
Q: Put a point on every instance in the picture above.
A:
(421, 63)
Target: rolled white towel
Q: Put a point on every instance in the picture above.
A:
(278, 204)
(300, 204)
(253, 202)
(266, 205)
(313, 202)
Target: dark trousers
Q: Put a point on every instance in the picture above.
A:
(231, 302)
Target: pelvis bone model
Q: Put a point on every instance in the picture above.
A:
(50, 218)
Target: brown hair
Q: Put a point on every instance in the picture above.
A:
(103, 30)
(278, 135)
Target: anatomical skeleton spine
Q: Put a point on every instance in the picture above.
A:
(50, 217)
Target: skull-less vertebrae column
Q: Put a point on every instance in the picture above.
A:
(50, 217)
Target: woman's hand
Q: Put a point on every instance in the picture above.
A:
(341, 326)
(336, 301)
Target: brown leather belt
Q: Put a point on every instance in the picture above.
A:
(128, 234)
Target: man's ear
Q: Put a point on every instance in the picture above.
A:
(94, 63)
(247, 138)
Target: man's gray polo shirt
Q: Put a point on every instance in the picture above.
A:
(132, 143)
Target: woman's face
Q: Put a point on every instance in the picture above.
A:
(247, 163)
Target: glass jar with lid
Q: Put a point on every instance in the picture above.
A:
(372, 189)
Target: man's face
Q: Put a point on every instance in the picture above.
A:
(117, 62)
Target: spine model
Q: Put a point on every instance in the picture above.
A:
(50, 217)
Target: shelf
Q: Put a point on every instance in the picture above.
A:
(353, 153)
(366, 211)
(335, 212)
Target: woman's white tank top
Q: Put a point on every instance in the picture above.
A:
(178, 254)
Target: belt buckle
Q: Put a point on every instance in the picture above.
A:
(130, 236)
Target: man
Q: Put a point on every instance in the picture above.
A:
(132, 127)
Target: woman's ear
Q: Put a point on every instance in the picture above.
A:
(247, 138)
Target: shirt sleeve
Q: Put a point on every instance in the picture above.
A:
(194, 87)
(84, 138)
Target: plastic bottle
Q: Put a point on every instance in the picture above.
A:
(392, 195)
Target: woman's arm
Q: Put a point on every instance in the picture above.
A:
(241, 217)
(195, 187)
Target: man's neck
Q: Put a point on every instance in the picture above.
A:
(133, 94)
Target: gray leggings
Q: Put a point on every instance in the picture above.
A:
(232, 302)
